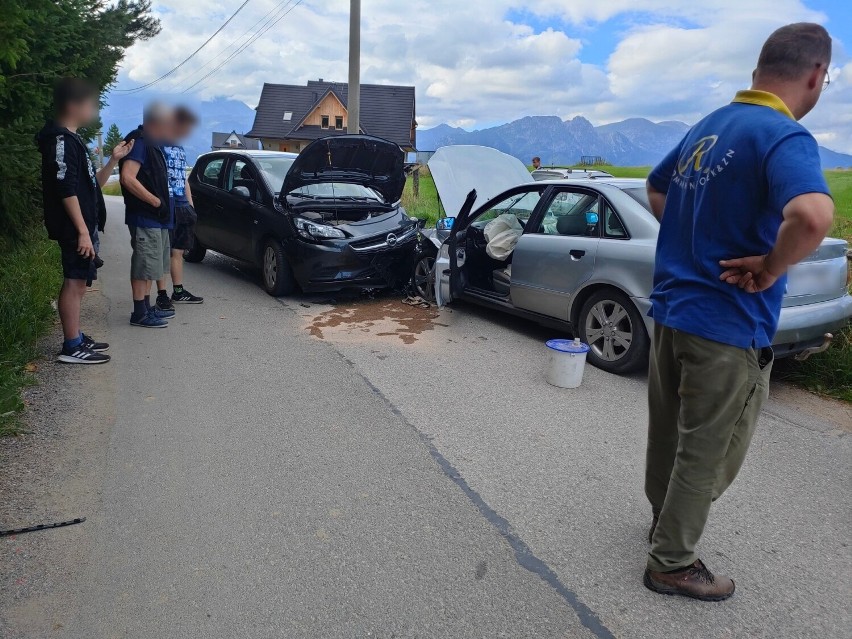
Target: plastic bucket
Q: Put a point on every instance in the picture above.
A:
(566, 361)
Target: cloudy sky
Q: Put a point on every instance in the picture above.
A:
(476, 63)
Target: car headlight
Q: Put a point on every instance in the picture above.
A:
(314, 231)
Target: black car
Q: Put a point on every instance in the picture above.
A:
(326, 219)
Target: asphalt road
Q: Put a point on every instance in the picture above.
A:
(300, 468)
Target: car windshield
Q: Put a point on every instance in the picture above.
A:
(640, 195)
(273, 169)
(336, 191)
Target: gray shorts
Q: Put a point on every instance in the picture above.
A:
(151, 253)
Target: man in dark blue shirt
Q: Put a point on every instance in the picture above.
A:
(740, 199)
(148, 213)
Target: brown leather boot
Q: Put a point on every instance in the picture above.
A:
(654, 520)
(695, 581)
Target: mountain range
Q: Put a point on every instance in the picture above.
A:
(631, 142)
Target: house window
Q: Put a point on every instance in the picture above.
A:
(288, 115)
(324, 122)
(338, 122)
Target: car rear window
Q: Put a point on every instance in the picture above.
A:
(641, 196)
(210, 173)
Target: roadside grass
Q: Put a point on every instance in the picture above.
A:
(114, 188)
(840, 183)
(619, 171)
(426, 206)
(30, 277)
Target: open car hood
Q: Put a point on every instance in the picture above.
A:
(352, 159)
(457, 170)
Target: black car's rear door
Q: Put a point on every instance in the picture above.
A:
(206, 195)
(240, 213)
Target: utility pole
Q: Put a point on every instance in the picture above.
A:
(100, 149)
(354, 99)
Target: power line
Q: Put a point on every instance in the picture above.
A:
(192, 55)
(275, 19)
(266, 28)
(235, 41)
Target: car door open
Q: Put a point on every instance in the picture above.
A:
(449, 264)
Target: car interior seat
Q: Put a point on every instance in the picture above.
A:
(502, 279)
(572, 224)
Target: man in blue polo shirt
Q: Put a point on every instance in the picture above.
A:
(740, 199)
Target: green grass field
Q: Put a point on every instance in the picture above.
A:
(829, 373)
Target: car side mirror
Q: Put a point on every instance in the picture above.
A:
(444, 223)
(241, 192)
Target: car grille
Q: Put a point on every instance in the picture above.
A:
(380, 242)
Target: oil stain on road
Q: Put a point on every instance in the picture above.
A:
(388, 318)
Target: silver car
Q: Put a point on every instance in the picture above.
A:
(584, 258)
(558, 173)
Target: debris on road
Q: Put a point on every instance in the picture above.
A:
(36, 528)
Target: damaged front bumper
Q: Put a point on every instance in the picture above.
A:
(354, 263)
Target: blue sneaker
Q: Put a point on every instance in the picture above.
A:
(148, 320)
(161, 313)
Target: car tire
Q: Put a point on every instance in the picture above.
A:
(196, 253)
(275, 272)
(423, 275)
(613, 328)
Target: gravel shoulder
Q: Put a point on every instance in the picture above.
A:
(52, 473)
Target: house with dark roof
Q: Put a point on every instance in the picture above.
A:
(232, 140)
(289, 117)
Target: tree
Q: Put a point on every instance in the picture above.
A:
(41, 40)
(112, 139)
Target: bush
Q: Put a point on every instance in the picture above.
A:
(30, 277)
(40, 41)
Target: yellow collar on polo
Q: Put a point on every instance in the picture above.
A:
(763, 98)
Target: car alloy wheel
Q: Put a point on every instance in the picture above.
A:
(275, 272)
(609, 330)
(270, 268)
(424, 277)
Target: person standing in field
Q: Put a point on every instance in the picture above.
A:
(148, 213)
(74, 209)
(740, 200)
(181, 237)
(536, 163)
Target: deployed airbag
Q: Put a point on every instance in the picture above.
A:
(502, 234)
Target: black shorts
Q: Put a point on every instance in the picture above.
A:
(182, 235)
(77, 267)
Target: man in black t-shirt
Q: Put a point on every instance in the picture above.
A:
(74, 208)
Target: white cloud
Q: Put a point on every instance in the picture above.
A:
(474, 66)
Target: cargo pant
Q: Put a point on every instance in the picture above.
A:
(704, 399)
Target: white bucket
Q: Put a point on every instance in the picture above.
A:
(566, 361)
